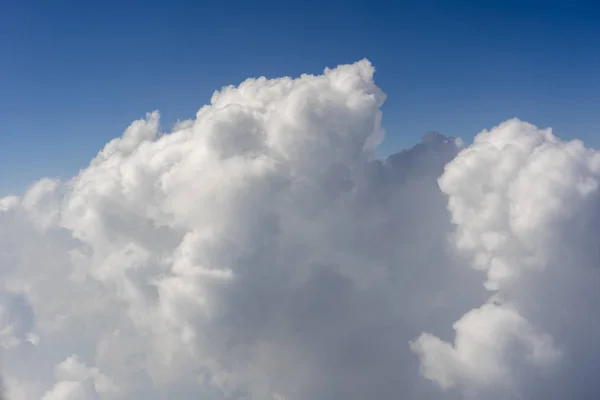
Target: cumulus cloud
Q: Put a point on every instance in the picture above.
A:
(76, 380)
(524, 204)
(262, 250)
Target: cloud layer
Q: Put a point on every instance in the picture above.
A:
(262, 250)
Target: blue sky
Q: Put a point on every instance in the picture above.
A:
(74, 74)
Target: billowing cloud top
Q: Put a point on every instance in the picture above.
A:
(262, 251)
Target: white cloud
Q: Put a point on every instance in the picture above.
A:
(76, 381)
(8, 203)
(525, 206)
(487, 338)
(262, 251)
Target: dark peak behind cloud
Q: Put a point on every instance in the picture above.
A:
(426, 158)
(432, 137)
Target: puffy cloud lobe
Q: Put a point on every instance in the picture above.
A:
(78, 382)
(510, 189)
(8, 203)
(261, 250)
(485, 339)
(524, 204)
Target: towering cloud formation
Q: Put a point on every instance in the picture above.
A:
(525, 206)
(263, 251)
